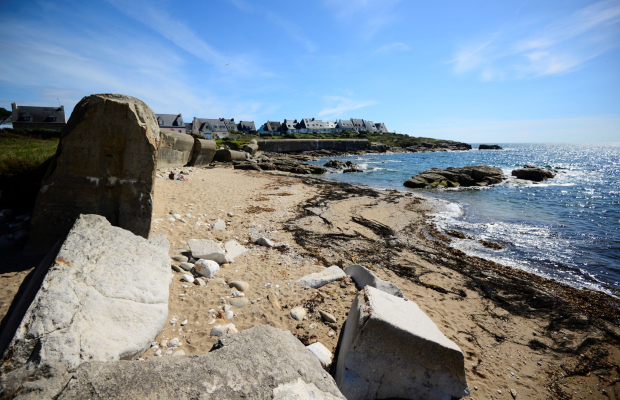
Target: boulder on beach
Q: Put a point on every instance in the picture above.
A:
(489, 147)
(319, 279)
(364, 277)
(470, 175)
(534, 173)
(389, 348)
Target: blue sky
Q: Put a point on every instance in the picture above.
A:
(475, 71)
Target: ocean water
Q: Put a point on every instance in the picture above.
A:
(566, 228)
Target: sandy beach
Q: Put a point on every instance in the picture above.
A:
(519, 333)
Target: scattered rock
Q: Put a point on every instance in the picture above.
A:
(178, 353)
(207, 268)
(533, 173)
(318, 279)
(173, 342)
(327, 317)
(263, 241)
(364, 277)
(219, 225)
(221, 330)
(239, 302)
(176, 268)
(298, 313)
(513, 393)
(233, 250)
(239, 285)
(471, 175)
(186, 266)
(200, 282)
(207, 250)
(188, 278)
(273, 299)
(431, 365)
(321, 353)
(179, 258)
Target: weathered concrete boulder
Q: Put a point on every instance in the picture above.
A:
(208, 250)
(470, 175)
(390, 349)
(364, 277)
(203, 153)
(175, 149)
(259, 363)
(489, 147)
(105, 164)
(533, 173)
(251, 148)
(104, 298)
(226, 155)
(319, 279)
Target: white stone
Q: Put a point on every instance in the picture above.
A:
(233, 250)
(221, 330)
(173, 342)
(188, 278)
(207, 268)
(184, 323)
(318, 279)
(374, 362)
(321, 352)
(158, 353)
(207, 250)
(219, 225)
(298, 313)
(104, 297)
(263, 241)
(364, 277)
(229, 315)
(187, 266)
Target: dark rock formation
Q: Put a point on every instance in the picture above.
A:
(280, 163)
(533, 173)
(440, 145)
(489, 147)
(347, 167)
(105, 164)
(471, 175)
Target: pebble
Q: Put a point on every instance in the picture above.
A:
(187, 266)
(239, 285)
(225, 265)
(331, 334)
(226, 307)
(327, 317)
(237, 294)
(168, 352)
(239, 302)
(176, 268)
(207, 268)
(263, 241)
(178, 353)
(298, 313)
(274, 301)
(163, 343)
(312, 326)
(179, 258)
(229, 315)
(173, 321)
(230, 214)
(188, 278)
(174, 342)
(220, 330)
(200, 282)
(513, 393)
(219, 225)
(499, 392)
(184, 323)
(158, 353)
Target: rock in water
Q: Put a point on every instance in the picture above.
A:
(207, 268)
(318, 279)
(532, 173)
(207, 250)
(470, 175)
(321, 353)
(489, 147)
(364, 277)
(104, 297)
(430, 365)
(105, 165)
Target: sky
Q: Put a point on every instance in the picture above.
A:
(478, 71)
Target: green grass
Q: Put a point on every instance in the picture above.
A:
(23, 162)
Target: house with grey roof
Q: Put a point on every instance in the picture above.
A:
(290, 126)
(358, 124)
(369, 126)
(29, 117)
(381, 127)
(210, 128)
(345, 125)
(274, 127)
(246, 127)
(230, 124)
(173, 122)
(311, 125)
(331, 126)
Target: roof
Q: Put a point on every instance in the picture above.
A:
(210, 124)
(312, 123)
(331, 124)
(39, 114)
(357, 122)
(169, 120)
(273, 126)
(230, 124)
(290, 123)
(247, 125)
(346, 123)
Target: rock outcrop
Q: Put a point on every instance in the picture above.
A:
(438, 146)
(259, 363)
(364, 277)
(534, 173)
(489, 147)
(104, 298)
(471, 175)
(105, 164)
(390, 349)
(280, 163)
(346, 167)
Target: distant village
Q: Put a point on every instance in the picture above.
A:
(30, 117)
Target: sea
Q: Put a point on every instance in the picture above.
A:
(566, 228)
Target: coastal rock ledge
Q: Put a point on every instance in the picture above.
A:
(533, 173)
(470, 175)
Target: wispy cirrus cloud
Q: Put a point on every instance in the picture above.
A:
(557, 47)
(393, 48)
(370, 16)
(338, 105)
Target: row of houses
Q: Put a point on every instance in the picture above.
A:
(29, 117)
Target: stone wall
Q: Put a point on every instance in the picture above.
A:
(104, 165)
(175, 149)
(299, 145)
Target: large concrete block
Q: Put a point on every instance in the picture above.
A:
(225, 155)
(105, 165)
(175, 149)
(259, 363)
(104, 297)
(364, 277)
(390, 349)
(203, 152)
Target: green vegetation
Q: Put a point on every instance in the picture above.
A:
(4, 113)
(23, 162)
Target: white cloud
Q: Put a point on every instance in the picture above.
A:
(391, 48)
(558, 47)
(338, 105)
(368, 16)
